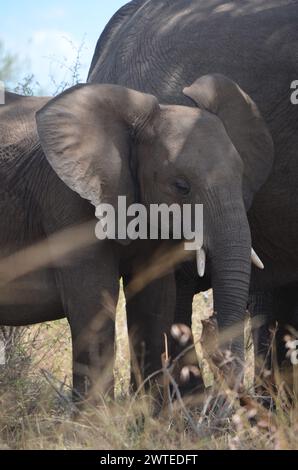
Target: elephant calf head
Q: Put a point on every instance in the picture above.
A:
(99, 137)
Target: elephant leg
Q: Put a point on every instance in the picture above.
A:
(90, 289)
(287, 316)
(186, 288)
(260, 307)
(280, 310)
(183, 310)
(150, 315)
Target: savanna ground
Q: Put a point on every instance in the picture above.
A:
(36, 411)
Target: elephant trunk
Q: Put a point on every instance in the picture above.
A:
(229, 247)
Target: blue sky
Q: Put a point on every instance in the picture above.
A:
(46, 35)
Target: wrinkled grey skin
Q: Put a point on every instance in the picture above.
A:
(162, 46)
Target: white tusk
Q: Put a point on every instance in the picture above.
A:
(256, 260)
(201, 261)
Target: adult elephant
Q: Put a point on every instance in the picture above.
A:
(160, 47)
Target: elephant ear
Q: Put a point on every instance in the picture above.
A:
(244, 126)
(86, 134)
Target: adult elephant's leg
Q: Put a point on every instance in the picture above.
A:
(188, 284)
(286, 313)
(279, 310)
(150, 316)
(185, 277)
(186, 288)
(260, 306)
(90, 288)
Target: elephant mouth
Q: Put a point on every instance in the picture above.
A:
(201, 258)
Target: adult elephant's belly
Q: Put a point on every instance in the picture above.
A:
(30, 299)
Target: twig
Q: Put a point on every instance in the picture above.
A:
(49, 378)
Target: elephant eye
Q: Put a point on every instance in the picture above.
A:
(182, 186)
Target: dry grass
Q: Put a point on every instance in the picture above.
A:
(36, 410)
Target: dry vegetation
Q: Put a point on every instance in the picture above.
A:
(37, 412)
